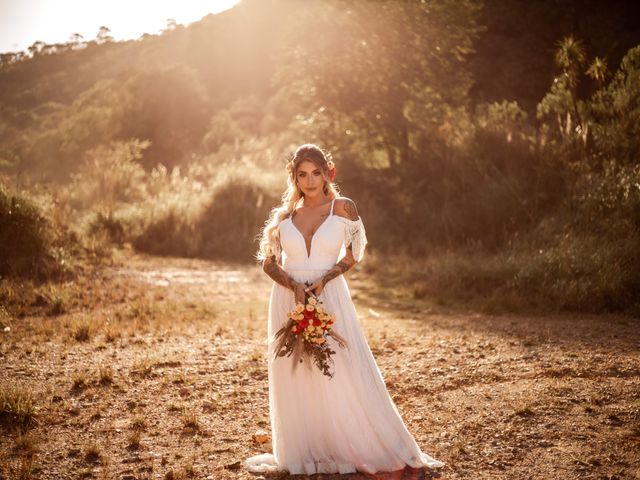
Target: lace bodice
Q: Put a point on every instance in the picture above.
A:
(327, 243)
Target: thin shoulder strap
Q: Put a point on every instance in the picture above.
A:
(331, 211)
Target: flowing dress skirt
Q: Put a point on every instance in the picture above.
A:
(342, 424)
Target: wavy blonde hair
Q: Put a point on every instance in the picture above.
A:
(292, 196)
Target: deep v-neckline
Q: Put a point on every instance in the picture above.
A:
(309, 250)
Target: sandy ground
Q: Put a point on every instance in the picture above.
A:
(156, 368)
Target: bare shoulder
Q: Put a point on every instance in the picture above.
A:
(345, 207)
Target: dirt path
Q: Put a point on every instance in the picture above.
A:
(157, 369)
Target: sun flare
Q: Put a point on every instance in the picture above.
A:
(23, 23)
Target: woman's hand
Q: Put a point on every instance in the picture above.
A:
(299, 293)
(315, 288)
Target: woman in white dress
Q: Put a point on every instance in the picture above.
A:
(348, 422)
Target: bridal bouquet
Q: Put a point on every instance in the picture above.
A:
(305, 335)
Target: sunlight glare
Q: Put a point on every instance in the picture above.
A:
(22, 23)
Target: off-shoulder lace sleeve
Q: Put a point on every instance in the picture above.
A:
(355, 235)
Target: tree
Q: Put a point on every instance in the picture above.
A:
(76, 40)
(169, 108)
(171, 25)
(384, 86)
(562, 100)
(104, 35)
(36, 48)
(598, 70)
(385, 69)
(616, 112)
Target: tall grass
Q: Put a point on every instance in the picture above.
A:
(207, 209)
(216, 219)
(550, 268)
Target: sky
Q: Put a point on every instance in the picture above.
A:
(22, 22)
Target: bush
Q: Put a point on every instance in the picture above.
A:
(226, 227)
(110, 226)
(229, 225)
(25, 238)
(170, 234)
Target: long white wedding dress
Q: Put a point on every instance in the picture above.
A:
(342, 424)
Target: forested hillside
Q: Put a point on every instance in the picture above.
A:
(493, 143)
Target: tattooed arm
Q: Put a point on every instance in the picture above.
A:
(347, 209)
(272, 268)
(345, 264)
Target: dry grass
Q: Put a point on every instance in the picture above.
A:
(25, 443)
(112, 333)
(19, 468)
(92, 453)
(105, 375)
(80, 330)
(138, 423)
(133, 440)
(17, 405)
(189, 420)
(143, 367)
(79, 380)
(170, 381)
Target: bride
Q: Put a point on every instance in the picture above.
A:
(348, 422)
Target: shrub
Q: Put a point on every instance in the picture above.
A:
(172, 233)
(112, 227)
(25, 238)
(229, 225)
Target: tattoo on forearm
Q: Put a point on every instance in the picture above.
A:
(338, 269)
(277, 274)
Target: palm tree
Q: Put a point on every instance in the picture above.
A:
(598, 70)
(570, 57)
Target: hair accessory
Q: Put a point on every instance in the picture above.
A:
(332, 170)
